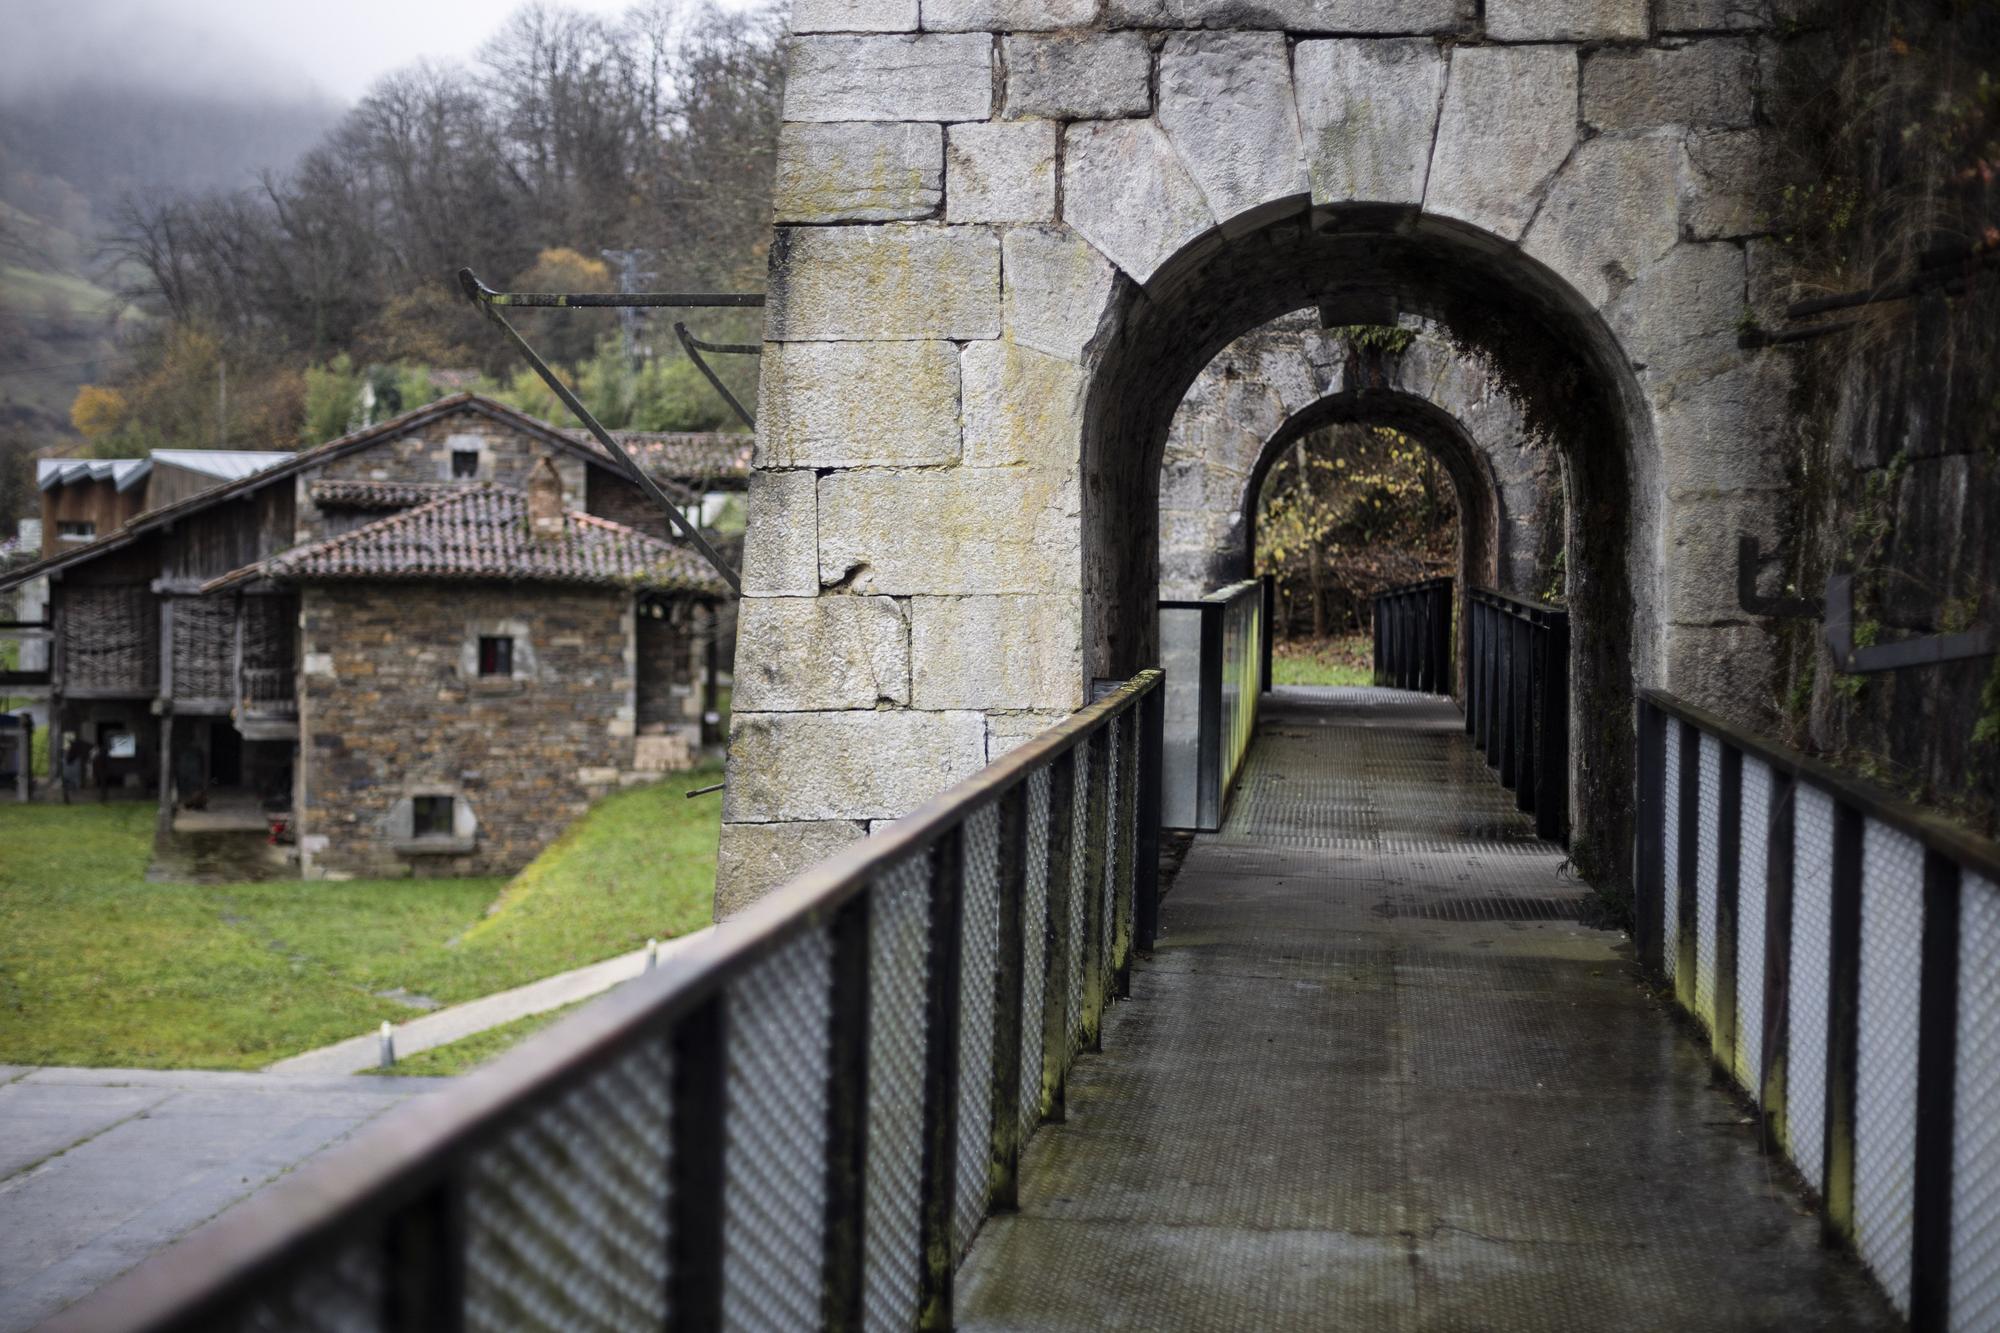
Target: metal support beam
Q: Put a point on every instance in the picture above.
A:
(489, 302)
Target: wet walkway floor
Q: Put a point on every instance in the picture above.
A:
(1378, 1075)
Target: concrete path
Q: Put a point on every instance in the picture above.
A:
(99, 1168)
(445, 1026)
(1379, 1075)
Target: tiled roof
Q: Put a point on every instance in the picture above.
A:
(481, 532)
(379, 494)
(686, 456)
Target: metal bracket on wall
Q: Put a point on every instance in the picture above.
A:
(1950, 270)
(1982, 641)
(1748, 555)
(489, 303)
(694, 347)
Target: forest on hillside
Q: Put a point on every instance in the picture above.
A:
(574, 152)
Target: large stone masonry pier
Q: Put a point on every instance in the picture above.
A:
(1011, 234)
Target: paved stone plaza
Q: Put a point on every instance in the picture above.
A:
(99, 1168)
(1379, 1074)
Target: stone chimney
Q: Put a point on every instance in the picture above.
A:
(545, 500)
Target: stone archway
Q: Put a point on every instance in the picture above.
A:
(1292, 377)
(1011, 234)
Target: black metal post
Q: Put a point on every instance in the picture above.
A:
(424, 1258)
(1728, 878)
(1649, 868)
(1686, 867)
(1381, 614)
(1146, 863)
(1506, 700)
(940, 1150)
(1843, 1022)
(1469, 649)
(1124, 853)
(1524, 693)
(1937, 1096)
(1270, 582)
(1552, 764)
(1009, 1001)
(694, 1195)
(847, 1119)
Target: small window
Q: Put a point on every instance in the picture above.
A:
(431, 816)
(72, 530)
(496, 655)
(465, 463)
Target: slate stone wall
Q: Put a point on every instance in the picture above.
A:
(388, 710)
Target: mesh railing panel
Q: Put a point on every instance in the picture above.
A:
(898, 972)
(1035, 950)
(1670, 844)
(1885, 1096)
(979, 969)
(566, 1214)
(774, 1158)
(346, 1295)
(1975, 1196)
(1751, 905)
(1708, 837)
(1812, 926)
(1079, 882)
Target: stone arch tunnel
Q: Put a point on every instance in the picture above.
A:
(1010, 240)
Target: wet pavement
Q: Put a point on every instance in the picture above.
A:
(1379, 1074)
(99, 1168)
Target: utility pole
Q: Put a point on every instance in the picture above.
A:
(221, 403)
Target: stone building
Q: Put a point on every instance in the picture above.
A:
(475, 670)
(159, 683)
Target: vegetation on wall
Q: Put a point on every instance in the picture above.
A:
(1897, 447)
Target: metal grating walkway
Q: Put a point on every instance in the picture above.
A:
(1378, 1076)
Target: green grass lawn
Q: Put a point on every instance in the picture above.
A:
(1348, 660)
(99, 967)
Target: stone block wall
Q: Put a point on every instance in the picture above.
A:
(389, 710)
(978, 199)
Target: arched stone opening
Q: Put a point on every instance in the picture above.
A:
(1443, 437)
(1374, 265)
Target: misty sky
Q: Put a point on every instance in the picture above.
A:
(334, 47)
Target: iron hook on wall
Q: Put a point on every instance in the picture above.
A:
(1980, 641)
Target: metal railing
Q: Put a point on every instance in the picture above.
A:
(269, 691)
(1517, 701)
(1413, 637)
(800, 1123)
(1839, 949)
(1214, 651)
